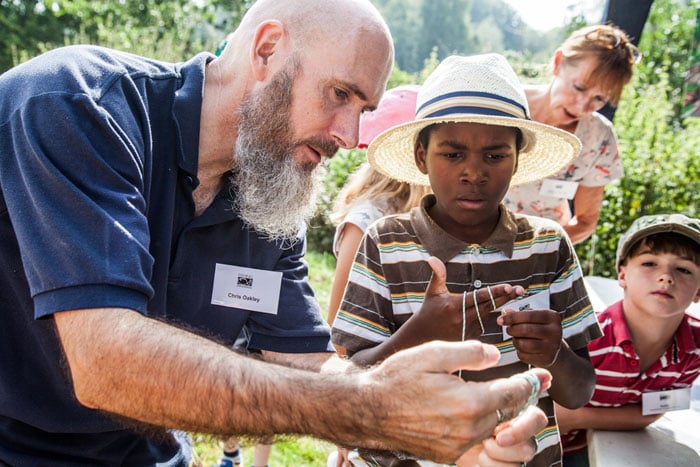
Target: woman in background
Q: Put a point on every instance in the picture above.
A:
(589, 70)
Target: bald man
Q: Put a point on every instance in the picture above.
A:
(150, 211)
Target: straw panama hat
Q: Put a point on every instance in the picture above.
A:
(475, 89)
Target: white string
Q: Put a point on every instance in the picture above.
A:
(464, 315)
(493, 302)
(464, 322)
(556, 355)
(478, 315)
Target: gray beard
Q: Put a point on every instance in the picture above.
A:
(273, 193)
(275, 197)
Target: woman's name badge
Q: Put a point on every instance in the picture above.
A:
(246, 288)
(664, 401)
(558, 188)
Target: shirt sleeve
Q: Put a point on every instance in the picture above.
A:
(569, 297)
(361, 216)
(365, 317)
(599, 161)
(75, 176)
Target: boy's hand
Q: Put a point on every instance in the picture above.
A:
(537, 335)
(440, 316)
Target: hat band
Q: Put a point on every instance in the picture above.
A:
(465, 102)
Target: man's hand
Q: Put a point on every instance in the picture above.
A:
(431, 413)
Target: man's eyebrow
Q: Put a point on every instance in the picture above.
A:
(361, 95)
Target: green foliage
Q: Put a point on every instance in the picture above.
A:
(423, 27)
(321, 230)
(167, 30)
(666, 43)
(659, 150)
(302, 451)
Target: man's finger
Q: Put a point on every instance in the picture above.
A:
(449, 357)
(514, 393)
(521, 429)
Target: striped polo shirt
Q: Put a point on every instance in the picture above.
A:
(618, 380)
(388, 280)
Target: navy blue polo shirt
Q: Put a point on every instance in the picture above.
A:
(97, 167)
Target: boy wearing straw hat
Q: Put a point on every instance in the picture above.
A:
(471, 140)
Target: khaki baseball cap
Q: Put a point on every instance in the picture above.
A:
(659, 223)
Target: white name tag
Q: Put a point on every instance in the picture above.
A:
(558, 188)
(664, 401)
(539, 301)
(246, 288)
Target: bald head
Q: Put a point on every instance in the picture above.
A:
(337, 55)
(310, 22)
(317, 18)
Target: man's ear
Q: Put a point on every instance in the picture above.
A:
(419, 155)
(266, 42)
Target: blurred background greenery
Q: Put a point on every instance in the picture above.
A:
(657, 144)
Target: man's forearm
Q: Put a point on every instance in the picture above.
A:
(148, 371)
(139, 368)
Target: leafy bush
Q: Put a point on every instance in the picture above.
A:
(321, 230)
(659, 150)
(662, 172)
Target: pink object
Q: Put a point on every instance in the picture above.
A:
(398, 105)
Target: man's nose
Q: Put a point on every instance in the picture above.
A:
(345, 129)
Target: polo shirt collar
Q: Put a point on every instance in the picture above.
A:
(682, 339)
(444, 246)
(620, 330)
(187, 108)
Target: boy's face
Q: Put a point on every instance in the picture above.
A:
(469, 166)
(659, 284)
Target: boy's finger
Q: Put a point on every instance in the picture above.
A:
(437, 284)
(493, 297)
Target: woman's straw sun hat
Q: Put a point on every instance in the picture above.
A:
(476, 89)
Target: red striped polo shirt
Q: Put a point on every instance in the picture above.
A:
(618, 381)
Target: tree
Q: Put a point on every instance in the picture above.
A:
(443, 27)
(658, 148)
(170, 30)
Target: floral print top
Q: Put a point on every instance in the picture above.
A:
(598, 164)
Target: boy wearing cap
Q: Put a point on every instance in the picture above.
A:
(471, 140)
(650, 341)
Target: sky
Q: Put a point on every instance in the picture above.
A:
(547, 14)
